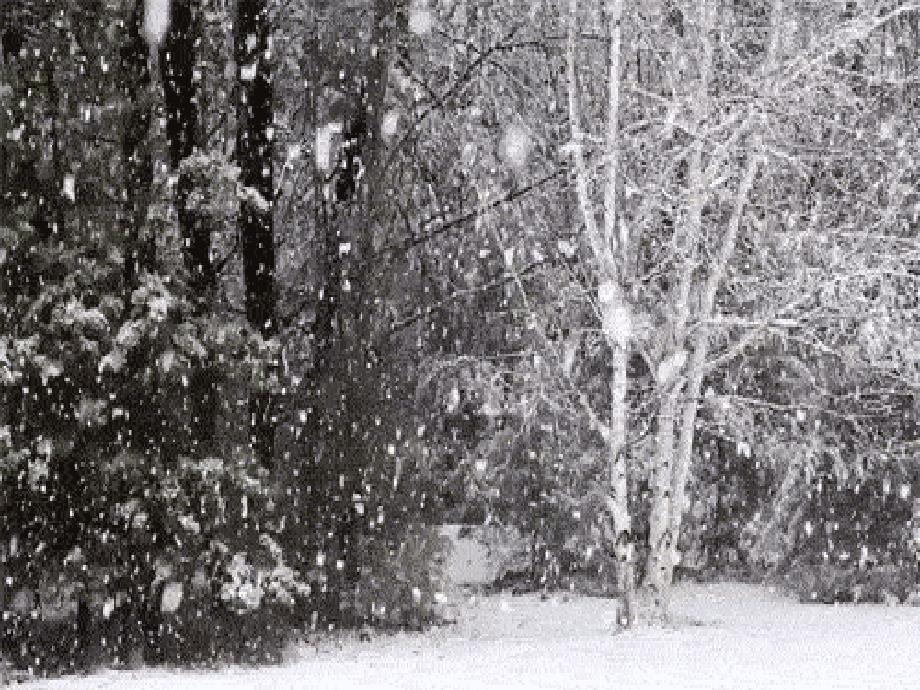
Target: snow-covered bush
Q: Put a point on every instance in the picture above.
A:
(233, 592)
(178, 565)
(827, 583)
(833, 526)
(401, 582)
(97, 482)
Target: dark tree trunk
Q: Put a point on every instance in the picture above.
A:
(177, 59)
(254, 154)
(140, 247)
(343, 329)
(140, 257)
(180, 89)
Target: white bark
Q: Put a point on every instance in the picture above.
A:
(661, 540)
(691, 231)
(613, 307)
(715, 276)
(615, 314)
(658, 571)
(602, 256)
(614, 10)
(615, 311)
(701, 350)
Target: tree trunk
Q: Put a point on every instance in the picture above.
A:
(178, 64)
(140, 248)
(915, 539)
(690, 410)
(660, 565)
(254, 150)
(609, 246)
(178, 59)
(140, 244)
(716, 274)
(663, 540)
(354, 218)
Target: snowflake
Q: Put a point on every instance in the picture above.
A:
(156, 21)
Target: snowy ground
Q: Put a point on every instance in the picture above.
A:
(747, 637)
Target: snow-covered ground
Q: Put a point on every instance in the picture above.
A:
(741, 636)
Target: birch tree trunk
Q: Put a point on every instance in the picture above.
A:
(701, 342)
(660, 565)
(607, 244)
(701, 352)
(662, 540)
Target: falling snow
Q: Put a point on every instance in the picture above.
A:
(390, 124)
(459, 344)
(516, 145)
(421, 18)
(156, 20)
(323, 147)
(70, 187)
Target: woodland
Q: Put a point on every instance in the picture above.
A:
(286, 285)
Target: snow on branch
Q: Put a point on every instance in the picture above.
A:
(848, 33)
